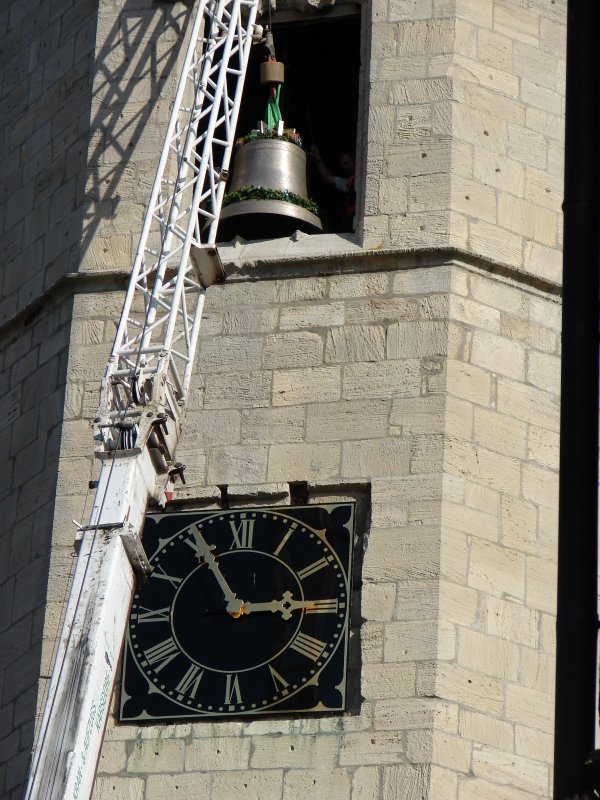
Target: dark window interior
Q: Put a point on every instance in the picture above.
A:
(319, 97)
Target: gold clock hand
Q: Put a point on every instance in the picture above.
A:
(204, 551)
(286, 605)
(273, 605)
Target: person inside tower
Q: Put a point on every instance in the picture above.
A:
(342, 183)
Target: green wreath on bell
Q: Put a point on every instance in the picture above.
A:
(263, 193)
(287, 136)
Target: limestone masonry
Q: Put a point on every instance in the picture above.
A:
(413, 367)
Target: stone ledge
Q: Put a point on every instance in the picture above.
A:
(252, 262)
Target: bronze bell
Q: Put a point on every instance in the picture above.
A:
(272, 164)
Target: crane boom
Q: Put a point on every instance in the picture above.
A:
(143, 394)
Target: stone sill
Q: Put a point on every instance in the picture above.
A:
(300, 255)
(305, 254)
(240, 253)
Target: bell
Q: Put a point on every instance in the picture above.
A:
(263, 165)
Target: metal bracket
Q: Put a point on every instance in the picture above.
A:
(83, 529)
(178, 469)
(209, 266)
(135, 551)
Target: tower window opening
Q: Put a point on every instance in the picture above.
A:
(318, 100)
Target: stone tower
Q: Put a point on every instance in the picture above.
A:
(413, 366)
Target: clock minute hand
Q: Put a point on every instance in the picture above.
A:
(204, 551)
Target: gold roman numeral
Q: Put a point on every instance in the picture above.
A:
(162, 654)
(314, 567)
(191, 681)
(193, 545)
(280, 682)
(287, 535)
(242, 533)
(232, 689)
(154, 614)
(323, 607)
(158, 572)
(308, 646)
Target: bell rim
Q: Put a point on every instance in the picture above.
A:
(271, 208)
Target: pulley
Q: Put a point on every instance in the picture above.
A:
(272, 73)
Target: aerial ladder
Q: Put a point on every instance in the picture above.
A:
(144, 393)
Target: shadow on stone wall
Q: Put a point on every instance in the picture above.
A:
(76, 115)
(36, 354)
(134, 81)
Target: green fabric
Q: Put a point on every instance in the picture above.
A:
(273, 115)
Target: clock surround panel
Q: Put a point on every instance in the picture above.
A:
(246, 612)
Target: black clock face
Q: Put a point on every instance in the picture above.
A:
(246, 611)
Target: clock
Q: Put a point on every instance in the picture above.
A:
(245, 612)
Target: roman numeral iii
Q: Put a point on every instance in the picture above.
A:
(323, 607)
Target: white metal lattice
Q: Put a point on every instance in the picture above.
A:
(156, 339)
(159, 325)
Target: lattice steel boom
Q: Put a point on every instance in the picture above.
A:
(143, 394)
(159, 325)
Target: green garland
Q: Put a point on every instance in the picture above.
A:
(262, 193)
(286, 136)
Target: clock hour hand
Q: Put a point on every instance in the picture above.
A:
(286, 605)
(204, 551)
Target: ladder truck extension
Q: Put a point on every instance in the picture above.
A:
(143, 394)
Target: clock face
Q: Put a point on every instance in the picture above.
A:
(245, 612)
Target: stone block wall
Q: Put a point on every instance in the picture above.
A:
(465, 129)
(33, 363)
(45, 78)
(425, 384)
(434, 392)
(138, 50)
(69, 127)
(45, 87)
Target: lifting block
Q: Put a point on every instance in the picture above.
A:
(271, 72)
